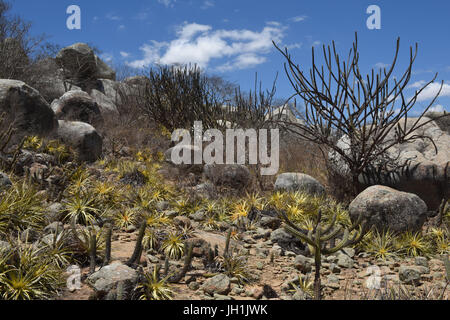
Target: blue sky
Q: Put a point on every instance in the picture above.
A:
(232, 38)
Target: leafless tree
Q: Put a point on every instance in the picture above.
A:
(368, 110)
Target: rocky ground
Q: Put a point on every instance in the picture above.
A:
(346, 276)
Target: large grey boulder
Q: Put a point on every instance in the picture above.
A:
(299, 182)
(386, 208)
(26, 108)
(106, 105)
(49, 80)
(80, 63)
(109, 277)
(103, 70)
(82, 137)
(232, 175)
(415, 166)
(77, 106)
(442, 119)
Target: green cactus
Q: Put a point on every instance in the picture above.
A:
(92, 250)
(227, 243)
(107, 258)
(166, 266)
(136, 257)
(318, 238)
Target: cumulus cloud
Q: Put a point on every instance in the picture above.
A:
(200, 44)
(431, 91)
(124, 54)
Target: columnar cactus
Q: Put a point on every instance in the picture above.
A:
(318, 239)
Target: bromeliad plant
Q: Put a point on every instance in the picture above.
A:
(319, 238)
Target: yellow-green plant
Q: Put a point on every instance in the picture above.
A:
(151, 240)
(173, 246)
(414, 244)
(81, 209)
(27, 273)
(305, 287)
(125, 217)
(155, 288)
(20, 208)
(381, 245)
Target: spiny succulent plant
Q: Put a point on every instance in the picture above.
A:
(81, 209)
(173, 246)
(20, 208)
(153, 287)
(381, 245)
(413, 244)
(27, 273)
(126, 217)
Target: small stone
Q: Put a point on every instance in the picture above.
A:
(268, 222)
(410, 274)
(182, 221)
(219, 284)
(345, 261)
(194, 286)
(259, 266)
(152, 259)
(334, 268)
(421, 261)
(131, 228)
(349, 251)
(258, 293)
(289, 254)
(222, 297)
(303, 264)
(198, 216)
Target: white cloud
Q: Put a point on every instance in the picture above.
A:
(431, 91)
(417, 84)
(316, 43)
(107, 57)
(207, 4)
(298, 18)
(437, 108)
(167, 3)
(121, 27)
(124, 54)
(243, 61)
(297, 45)
(197, 43)
(381, 65)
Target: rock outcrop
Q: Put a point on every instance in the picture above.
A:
(82, 137)
(388, 209)
(26, 109)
